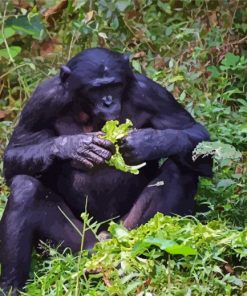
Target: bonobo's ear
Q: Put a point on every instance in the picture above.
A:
(64, 73)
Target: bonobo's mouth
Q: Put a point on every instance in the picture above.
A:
(107, 116)
(101, 119)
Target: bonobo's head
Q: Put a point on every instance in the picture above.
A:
(97, 79)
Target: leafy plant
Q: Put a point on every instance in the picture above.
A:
(115, 132)
(166, 256)
(222, 153)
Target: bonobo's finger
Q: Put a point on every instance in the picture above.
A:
(106, 154)
(87, 163)
(94, 158)
(96, 134)
(104, 143)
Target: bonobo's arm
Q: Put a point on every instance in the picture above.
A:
(173, 133)
(34, 143)
(30, 156)
(29, 149)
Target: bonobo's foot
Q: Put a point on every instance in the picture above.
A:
(29, 215)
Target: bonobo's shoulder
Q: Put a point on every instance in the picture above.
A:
(50, 92)
(46, 101)
(154, 89)
(148, 83)
(47, 88)
(158, 100)
(144, 81)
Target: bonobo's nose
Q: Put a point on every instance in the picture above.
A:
(107, 100)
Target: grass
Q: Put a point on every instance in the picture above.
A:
(166, 256)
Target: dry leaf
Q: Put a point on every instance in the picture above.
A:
(139, 55)
(22, 4)
(176, 91)
(55, 9)
(132, 14)
(3, 114)
(48, 46)
(229, 268)
(103, 35)
(107, 280)
(159, 62)
(140, 34)
(213, 19)
(89, 16)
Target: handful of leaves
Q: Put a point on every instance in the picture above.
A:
(115, 132)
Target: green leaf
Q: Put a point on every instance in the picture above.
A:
(137, 66)
(230, 60)
(168, 31)
(181, 250)
(215, 72)
(139, 248)
(169, 246)
(79, 4)
(115, 132)
(7, 33)
(165, 7)
(159, 242)
(118, 162)
(31, 26)
(118, 231)
(225, 183)
(122, 5)
(176, 78)
(115, 23)
(220, 151)
(13, 50)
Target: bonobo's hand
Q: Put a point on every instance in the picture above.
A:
(87, 149)
(140, 145)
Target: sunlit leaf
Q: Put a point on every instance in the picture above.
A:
(32, 26)
(122, 4)
(225, 183)
(8, 32)
(117, 230)
(230, 59)
(115, 132)
(214, 70)
(180, 250)
(13, 50)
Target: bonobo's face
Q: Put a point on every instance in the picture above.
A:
(96, 80)
(103, 101)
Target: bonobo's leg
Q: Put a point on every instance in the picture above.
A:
(176, 196)
(31, 214)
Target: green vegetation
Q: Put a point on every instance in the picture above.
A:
(197, 49)
(167, 256)
(115, 132)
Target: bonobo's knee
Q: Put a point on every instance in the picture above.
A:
(24, 190)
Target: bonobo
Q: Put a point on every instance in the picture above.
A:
(55, 159)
